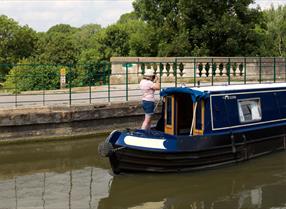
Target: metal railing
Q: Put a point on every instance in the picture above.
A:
(42, 84)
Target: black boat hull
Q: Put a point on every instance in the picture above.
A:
(230, 148)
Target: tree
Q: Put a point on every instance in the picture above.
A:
(58, 46)
(62, 28)
(83, 36)
(127, 17)
(202, 27)
(112, 41)
(142, 36)
(16, 43)
(275, 43)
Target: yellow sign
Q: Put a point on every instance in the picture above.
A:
(63, 71)
(63, 77)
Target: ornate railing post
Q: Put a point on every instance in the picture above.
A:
(168, 67)
(240, 68)
(234, 67)
(142, 66)
(220, 67)
(181, 68)
(175, 72)
(228, 71)
(161, 73)
(207, 68)
(195, 71)
(200, 69)
(213, 70)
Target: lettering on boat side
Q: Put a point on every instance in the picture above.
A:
(145, 142)
(227, 97)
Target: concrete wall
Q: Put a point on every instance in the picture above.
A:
(48, 122)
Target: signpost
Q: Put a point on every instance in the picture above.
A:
(63, 78)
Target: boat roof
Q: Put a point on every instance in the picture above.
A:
(224, 88)
(198, 93)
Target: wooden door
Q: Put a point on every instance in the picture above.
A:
(199, 119)
(170, 115)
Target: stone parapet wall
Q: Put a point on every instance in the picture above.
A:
(45, 122)
(188, 69)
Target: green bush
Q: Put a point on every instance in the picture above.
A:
(24, 77)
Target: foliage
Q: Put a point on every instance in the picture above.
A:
(202, 27)
(113, 41)
(26, 76)
(83, 36)
(62, 28)
(91, 74)
(275, 43)
(154, 28)
(58, 48)
(16, 43)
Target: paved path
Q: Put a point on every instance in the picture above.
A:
(78, 96)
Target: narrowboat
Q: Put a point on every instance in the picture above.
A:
(204, 127)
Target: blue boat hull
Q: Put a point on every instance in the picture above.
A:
(196, 153)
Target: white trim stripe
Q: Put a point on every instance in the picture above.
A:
(239, 87)
(145, 142)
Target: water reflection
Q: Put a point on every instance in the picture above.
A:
(72, 189)
(71, 175)
(53, 175)
(260, 183)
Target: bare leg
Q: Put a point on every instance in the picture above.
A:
(147, 122)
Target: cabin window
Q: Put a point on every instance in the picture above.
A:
(249, 110)
(169, 111)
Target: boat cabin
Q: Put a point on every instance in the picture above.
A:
(205, 110)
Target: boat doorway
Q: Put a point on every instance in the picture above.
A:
(178, 114)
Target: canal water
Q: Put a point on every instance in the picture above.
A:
(70, 174)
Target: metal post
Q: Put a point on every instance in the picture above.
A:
(44, 87)
(175, 71)
(228, 71)
(16, 192)
(274, 69)
(212, 71)
(104, 73)
(89, 80)
(244, 70)
(161, 73)
(70, 90)
(126, 82)
(195, 72)
(16, 91)
(109, 72)
(44, 191)
(260, 70)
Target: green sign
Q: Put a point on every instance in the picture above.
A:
(127, 65)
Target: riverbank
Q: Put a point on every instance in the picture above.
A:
(19, 125)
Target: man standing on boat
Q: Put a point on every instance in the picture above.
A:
(148, 85)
